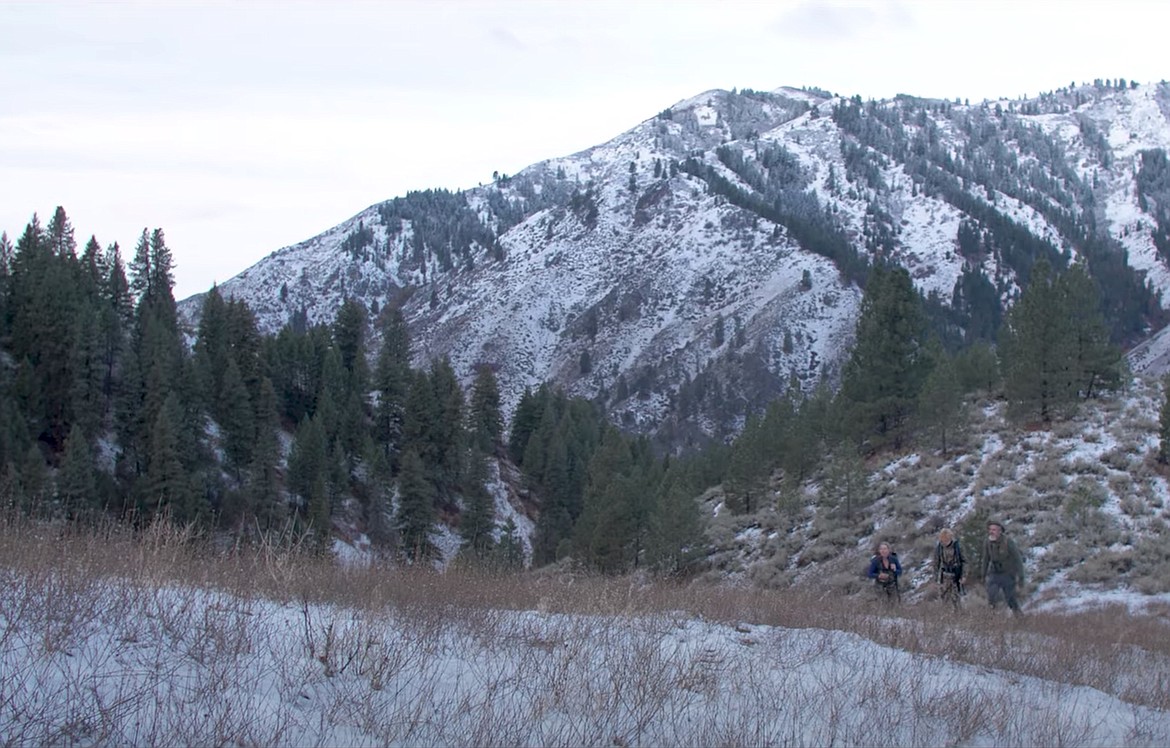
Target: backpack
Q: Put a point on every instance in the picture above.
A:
(954, 569)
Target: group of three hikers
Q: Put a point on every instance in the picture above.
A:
(1002, 568)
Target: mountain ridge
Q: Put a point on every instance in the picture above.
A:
(696, 266)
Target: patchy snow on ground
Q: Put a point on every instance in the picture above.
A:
(175, 666)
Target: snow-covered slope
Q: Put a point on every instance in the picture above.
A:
(696, 266)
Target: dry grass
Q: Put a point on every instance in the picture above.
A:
(589, 660)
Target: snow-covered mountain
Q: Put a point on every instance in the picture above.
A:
(699, 264)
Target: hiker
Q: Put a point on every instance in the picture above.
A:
(949, 566)
(884, 570)
(1003, 567)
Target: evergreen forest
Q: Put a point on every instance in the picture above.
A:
(110, 410)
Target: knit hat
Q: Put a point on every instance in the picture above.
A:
(995, 522)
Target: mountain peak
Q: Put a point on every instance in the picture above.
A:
(711, 258)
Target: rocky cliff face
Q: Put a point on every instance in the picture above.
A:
(698, 265)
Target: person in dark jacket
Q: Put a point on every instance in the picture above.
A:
(1003, 567)
(949, 567)
(885, 570)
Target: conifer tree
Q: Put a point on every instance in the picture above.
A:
(808, 435)
(416, 510)
(477, 520)
(168, 488)
(116, 318)
(87, 396)
(43, 309)
(940, 404)
(449, 434)
(349, 335)
(887, 366)
(747, 470)
(1036, 349)
(525, 420)
(605, 533)
(846, 484)
(486, 420)
(392, 379)
(419, 417)
(263, 483)
(60, 235)
(306, 460)
(76, 485)
(554, 526)
(1164, 424)
(318, 521)
(1096, 361)
(238, 420)
(33, 481)
(211, 350)
(677, 530)
(977, 368)
(509, 550)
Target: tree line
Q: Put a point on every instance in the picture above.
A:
(109, 408)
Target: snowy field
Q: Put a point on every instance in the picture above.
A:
(154, 649)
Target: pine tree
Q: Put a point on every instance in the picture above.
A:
(1164, 424)
(76, 485)
(554, 526)
(43, 316)
(87, 396)
(168, 488)
(940, 404)
(263, 484)
(211, 350)
(605, 533)
(509, 550)
(747, 470)
(115, 320)
(60, 234)
(486, 420)
(418, 424)
(392, 379)
(416, 511)
(449, 434)
(887, 366)
(526, 418)
(1036, 349)
(318, 522)
(306, 460)
(33, 481)
(477, 520)
(1096, 362)
(349, 335)
(977, 368)
(238, 420)
(677, 530)
(846, 484)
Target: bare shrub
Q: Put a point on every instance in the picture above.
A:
(1103, 567)
(1047, 476)
(1120, 458)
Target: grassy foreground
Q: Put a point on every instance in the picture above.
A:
(111, 637)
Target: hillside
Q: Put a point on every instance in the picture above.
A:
(1084, 498)
(696, 266)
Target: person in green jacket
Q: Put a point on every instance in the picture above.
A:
(1003, 567)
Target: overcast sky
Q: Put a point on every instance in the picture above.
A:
(240, 128)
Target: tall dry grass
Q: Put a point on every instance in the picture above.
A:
(148, 638)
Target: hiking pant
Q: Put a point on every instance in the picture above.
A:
(889, 592)
(1002, 585)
